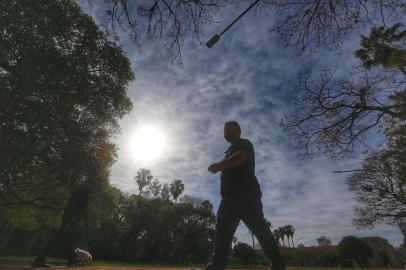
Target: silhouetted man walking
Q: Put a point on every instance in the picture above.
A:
(241, 200)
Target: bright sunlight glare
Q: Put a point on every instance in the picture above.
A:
(147, 143)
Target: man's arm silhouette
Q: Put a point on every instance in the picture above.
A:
(234, 160)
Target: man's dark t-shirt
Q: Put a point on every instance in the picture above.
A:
(240, 181)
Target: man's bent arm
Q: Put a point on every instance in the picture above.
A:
(234, 160)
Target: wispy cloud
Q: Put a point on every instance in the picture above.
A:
(249, 76)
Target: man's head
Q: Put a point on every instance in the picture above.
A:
(232, 131)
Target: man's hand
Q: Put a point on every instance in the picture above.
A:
(214, 168)
(232, 161)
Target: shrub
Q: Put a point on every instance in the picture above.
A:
(353, 248)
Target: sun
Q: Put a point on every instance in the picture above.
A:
(147, 143)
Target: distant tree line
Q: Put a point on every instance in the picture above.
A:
(351, 252)
(147, 227)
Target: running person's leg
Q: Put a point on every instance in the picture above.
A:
(41, 258)
(226, 224)
(253, 217)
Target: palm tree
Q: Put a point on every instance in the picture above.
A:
(253, 241)
(282, 234)
(287, 233)
(176, 188)
(289, 230)
(143, 178)
(277, 235)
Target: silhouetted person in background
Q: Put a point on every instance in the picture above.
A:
(241, 200)
(63, 239)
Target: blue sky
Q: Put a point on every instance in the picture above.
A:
(249, 76)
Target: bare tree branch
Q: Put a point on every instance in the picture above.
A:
(306, 24)
(167, 20)
(303, 24)
(380, 188)
(338, 114)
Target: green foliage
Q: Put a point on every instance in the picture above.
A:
(280, 233)
(401, 251)
(176, 188)
(166, 192)
(62, 92)
(143, 179)
(195, 201)
(311, 257)
(207, 204)
(154, 188)
(103, 206)
(155, 230)
(245, 253)
(353, 248)
(131, 228)
(186, 231)
(384, 46)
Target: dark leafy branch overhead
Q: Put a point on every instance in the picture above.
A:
(386, 47)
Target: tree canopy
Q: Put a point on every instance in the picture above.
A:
(63, 89)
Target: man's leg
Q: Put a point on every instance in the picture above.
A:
(253, 217)
(68, 240)
(226, 224)
(68, 248)
(54, 242)
(41, 258)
